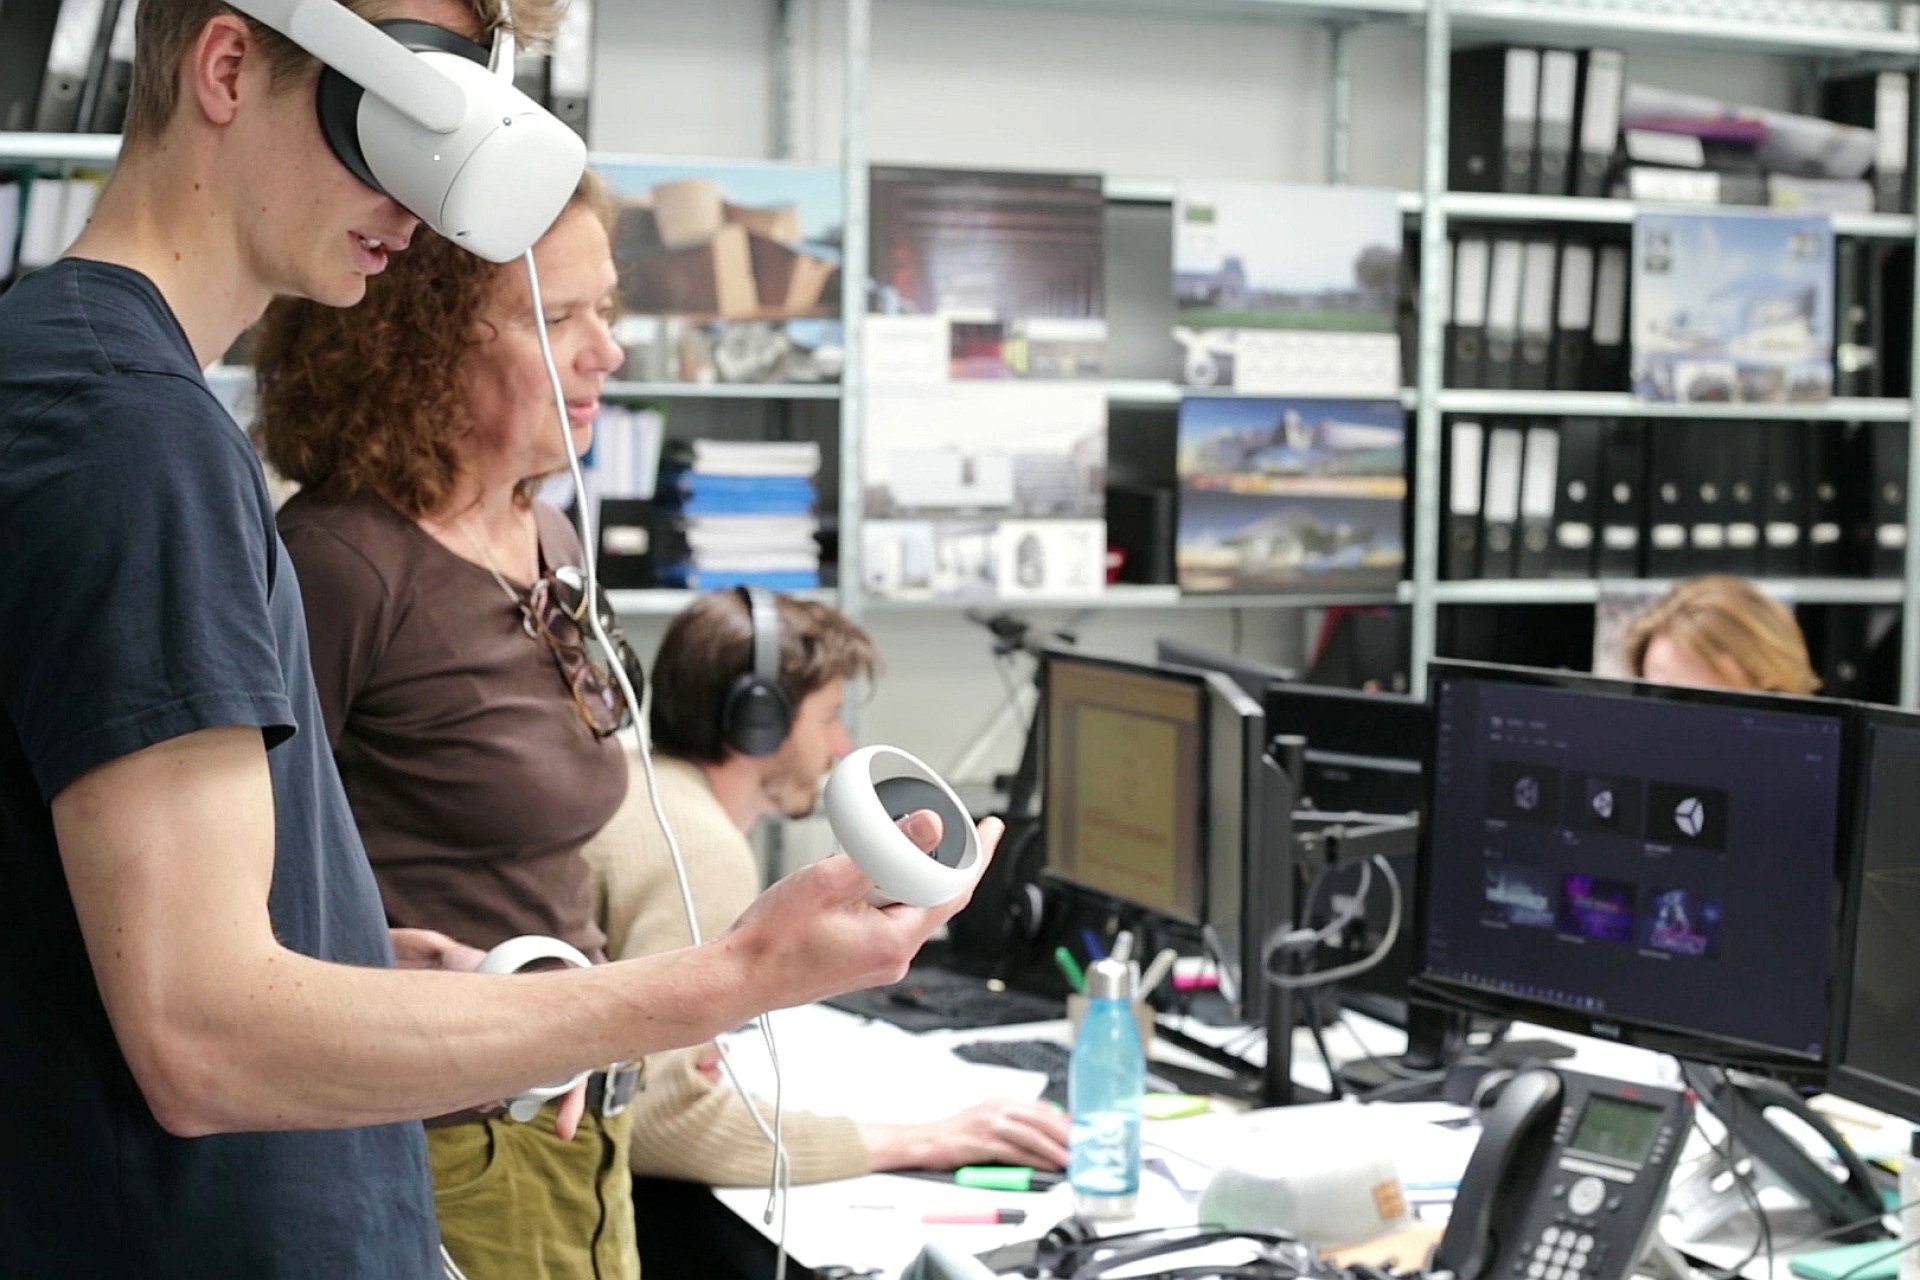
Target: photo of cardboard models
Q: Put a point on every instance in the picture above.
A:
(1012, 264)
(728, 272)
(1291, 495)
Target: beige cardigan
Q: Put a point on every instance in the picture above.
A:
(684, 1126)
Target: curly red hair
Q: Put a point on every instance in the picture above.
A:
(370, 399)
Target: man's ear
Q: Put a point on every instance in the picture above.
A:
(226, 63)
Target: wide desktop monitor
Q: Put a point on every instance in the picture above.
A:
(1876, 1063)
(1364, 750)
(1656, 865)
(1252, 675)
(1157, 793)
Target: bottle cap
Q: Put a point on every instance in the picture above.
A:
(1109, 980)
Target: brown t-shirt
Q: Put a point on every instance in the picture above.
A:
(473, 779)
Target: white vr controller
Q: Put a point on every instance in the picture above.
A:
(866, 795)
(454, 142)
(512, 956)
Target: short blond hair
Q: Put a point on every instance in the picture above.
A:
(1726, 621)
(165, 30)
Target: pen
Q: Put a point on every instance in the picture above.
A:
(990, 1217)
(1123, 946)
(1095, 951)
(1070, 967)
(1157, 971)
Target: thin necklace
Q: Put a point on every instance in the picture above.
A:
(492, 568)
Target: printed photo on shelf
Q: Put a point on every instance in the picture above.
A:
(984, 489)
(729, 272)
(1011, 267)
(1288, 289)
(983, 559)
(1036, 452)
(1732, 307)
(1291, 494)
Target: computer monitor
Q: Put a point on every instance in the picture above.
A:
(1126, 781)
(1252, 675)
(1158, 796)
(1875, 1063)
(1363, 753)
(1363, 749)
(1656, 865)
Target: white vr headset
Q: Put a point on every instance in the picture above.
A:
(430, 118)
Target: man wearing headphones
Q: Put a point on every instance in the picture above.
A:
(198, 1000)
(749, 691)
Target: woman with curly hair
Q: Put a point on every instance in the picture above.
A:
(470, 724)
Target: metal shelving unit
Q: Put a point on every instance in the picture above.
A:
(1488, 206)
(1832, 31)
(59, 148)
(664, 602)
(1619, 404)
(722, 391)
(1885, 33)
(1861, 591)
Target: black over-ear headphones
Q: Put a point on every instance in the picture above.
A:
(338, 98)
(756, 716)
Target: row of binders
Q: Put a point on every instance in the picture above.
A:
(1562, 122)
(1538, 314)
(1873, 317)
(1612, 498)
(40, 217)
(65, 65)
(1534, 121)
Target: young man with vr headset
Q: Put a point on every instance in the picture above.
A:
(199, 1012)
(749, 691)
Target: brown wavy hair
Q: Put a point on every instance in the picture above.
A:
(164, 30)
(1726, 621)
(370, 399)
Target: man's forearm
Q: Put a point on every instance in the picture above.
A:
(369, 1046)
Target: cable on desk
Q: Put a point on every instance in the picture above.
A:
(1386, 1066)
(1833, 1232)
(1763, 1239)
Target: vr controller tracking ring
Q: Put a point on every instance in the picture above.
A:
(867, 793)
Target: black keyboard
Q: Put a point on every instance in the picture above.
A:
(1051, 1057)
(1045, 1056)
(930, 999)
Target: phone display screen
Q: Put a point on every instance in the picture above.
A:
(1617, 1130)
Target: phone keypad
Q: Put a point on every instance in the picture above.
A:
(1563, 1252)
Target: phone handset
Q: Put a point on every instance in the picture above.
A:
(1526, 1110)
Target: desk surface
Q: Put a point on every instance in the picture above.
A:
(835, 1063)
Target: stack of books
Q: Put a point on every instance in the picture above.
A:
(745, 515)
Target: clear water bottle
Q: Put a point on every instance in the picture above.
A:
(1105, 1084)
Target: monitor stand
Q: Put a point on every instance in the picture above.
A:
(1747, 1106)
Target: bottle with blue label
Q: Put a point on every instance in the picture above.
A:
(1106, 1082)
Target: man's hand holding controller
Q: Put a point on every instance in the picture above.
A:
(852, 920)
(857, 919)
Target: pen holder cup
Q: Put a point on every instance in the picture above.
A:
(1142, 1017)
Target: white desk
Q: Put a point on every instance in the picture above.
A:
(836, 1063)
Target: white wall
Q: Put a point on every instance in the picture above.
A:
(1000, 85)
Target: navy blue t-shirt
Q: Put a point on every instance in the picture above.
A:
(144, 594)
